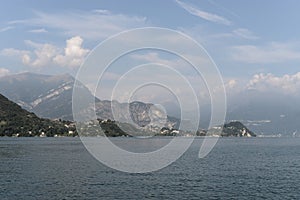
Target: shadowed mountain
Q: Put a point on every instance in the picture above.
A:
(15, 121)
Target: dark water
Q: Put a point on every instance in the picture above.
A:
(237, 168)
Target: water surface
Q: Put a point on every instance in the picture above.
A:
(237, 168)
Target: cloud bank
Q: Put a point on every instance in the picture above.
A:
(73, 55)
(46, 54)
(286, 84)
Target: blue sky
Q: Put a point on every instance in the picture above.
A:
(254, 43)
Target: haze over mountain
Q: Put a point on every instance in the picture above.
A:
(260, 50)
(47, 96)
(269, 113)
(266, 111)
(50, 96)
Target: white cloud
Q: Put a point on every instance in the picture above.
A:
(239, 33)
(231, 84)
(202, 14)
(41, 30)
(155, 58)
(6, 29)
(287, 84)
(43, 56)
(96, 24)
(74, 54)
(13, 52)
(23, 55)
(26, 59)
(271, 53)
(173, 61)
(4, 72)
(102, 11)
(245, 33)
(48, 54)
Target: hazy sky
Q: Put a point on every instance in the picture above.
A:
(254, 43)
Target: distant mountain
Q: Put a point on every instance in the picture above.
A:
(140, 114)
(15, 121)
(50, 96)
(237, 129)
(266, 113)
(234, 129)
(45, 95)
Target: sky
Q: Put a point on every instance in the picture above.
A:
(255, 44)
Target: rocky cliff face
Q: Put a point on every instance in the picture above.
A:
(139, 114)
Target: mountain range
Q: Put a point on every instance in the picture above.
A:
(45, 95)
(266, 112)
(50, 96)
(16, 121)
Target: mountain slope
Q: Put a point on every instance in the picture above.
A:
(45, 95)
(141, 114)
(50, 96)
(233, 128)
(237, 129)
(16, 121)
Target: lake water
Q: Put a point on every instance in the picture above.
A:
(237, 168)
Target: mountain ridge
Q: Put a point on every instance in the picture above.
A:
(50, 96)
(16, 121)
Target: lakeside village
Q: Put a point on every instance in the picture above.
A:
(110, 128)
